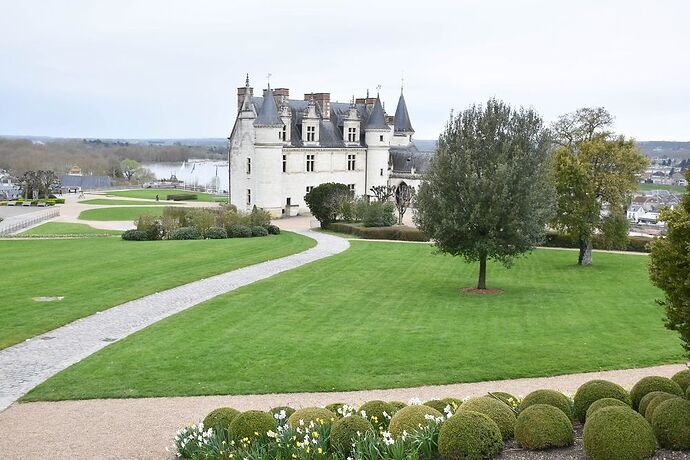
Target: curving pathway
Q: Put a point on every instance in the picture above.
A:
(25, 365)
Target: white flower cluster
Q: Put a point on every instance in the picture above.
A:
(194, 434)
(346, 410)
(415, 402)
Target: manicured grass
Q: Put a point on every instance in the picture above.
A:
(63, 228)
(120, 213)
(106, 202)
(672, 188)
(385, 315)
(150, 194)
(97, 273)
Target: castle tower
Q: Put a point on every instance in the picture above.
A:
(377, 136)
(402, 130)
(266, 167)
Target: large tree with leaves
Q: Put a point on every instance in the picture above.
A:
(594, 171)
(487, 193)
(669, 267)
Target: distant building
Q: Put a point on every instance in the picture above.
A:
(75, 183)
(8, 190)
(74, 171)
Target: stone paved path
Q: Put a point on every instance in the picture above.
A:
(25, 365)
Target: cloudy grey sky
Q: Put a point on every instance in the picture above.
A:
(167, 68)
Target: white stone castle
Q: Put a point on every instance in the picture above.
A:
(280, 148)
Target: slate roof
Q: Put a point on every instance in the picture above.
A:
(377, 118)
(268, 116)
(85, 182)
(399, 157)
(402, 118)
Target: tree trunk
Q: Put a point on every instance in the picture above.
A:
(585, 257)
(482, 272)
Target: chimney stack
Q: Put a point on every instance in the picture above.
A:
(240, 96)
(323, 100)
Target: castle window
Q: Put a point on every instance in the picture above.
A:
(310, 188)
(311, 133)
(381, 138)
(249, 197)
(350, 161)
(249, 165)
(283, 134)
(352, 188)
(310, 163)
(284, 163)
(382, 171)
(352, 134)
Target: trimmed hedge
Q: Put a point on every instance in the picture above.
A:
(542, 426)
(653, 383)
(498, 411)
(605, 402)
(135, 235)
(346, 430)
(181, 197)
(397, 405)
(593, 390)
(654, 403)
(618, 433)
(239, 231)
(682, 378)
(216, 233)
(273, 229)
(512, 401)
(646, 399)
(469, 435)
(246, 424)
(186, 233)
(400, 233)
(375, 409)
(311, 414)
(437, 404)
(671, 424)
(276, 410)
(333, 407)
(221, 418)
(409, 419)
(557, 240)
(258, 230)
(454, 403)
(550, 397)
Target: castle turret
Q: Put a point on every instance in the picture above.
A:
(268, 148)
(377, 136)
(402, 130)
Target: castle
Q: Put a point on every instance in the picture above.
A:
(281, 148)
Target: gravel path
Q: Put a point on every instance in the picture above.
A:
(25, 365)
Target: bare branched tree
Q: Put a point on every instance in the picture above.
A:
(383, 192)
(404, 196)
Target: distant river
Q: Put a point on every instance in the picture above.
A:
(193, 172)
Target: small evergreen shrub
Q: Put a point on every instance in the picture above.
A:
(410, 419)
(221, 418)
(654, 403)
(186, 233)
(437, 404)
(653, 383)
(604, 402)
(671, 424)
(345, 430)
(454, 403)
(682, 378)
(216, 233)
(246, 424)
(239, 231)
(151, 226)
(543, 426)
(258, 230)
(311, 414)
(469, 435)
(646, 399)
(134, 235)
(496, 410)
(379, 214)
(273, 229)
(687, 393)
(512, 401)
(618, 433)
(276, 410)
(397, 405)
(333, 407)
(550, 397)
(181, 197)
(378, 412)
(593, 390)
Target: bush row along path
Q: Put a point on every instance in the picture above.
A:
(27, 364)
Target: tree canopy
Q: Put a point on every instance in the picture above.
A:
(488, 192)
(325, 201)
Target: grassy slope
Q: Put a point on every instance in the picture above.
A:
(673, 188)
(63, 228)
(97, 273)
(387, 315)
(120, 213)
(110, 202)
(150, 194)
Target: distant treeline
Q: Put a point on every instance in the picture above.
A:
(665, 149)
(92, 156)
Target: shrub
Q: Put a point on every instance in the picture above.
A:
(216, 233)
(333, 407)
(258, 230)
(593, 390)
(246, 424)
(550, 397)
(151, 226)
(400, 233)
(221, 418)
(687, 393)
(134, 235)
(379, 214)
(276, 410)
(186, 233)
(646, 399)
(311, 414)
(273, 229)
(375, 412)
(682, 378)
(239, 231)
(454, 403)
(325, 201)
(496, 410)
(345, 430)
(635, 243)
(201, 219)
(654, 403)
(618, 433)
(181, 197)
(410, 418)
(512, 401)
(671, 424)
(605, 402)
(469, 435)
(258, 217)
(397, 405)
(542, 426)
(437, 404)
(653, 383)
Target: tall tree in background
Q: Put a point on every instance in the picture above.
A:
(669, 267)
(487, 193)
(129, 168)
(593, 168)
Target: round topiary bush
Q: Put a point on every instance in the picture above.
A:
(687, 393)
(318, 415)
(216, 233)
(682, 378)
(542, 426)
(410, 418)
(374, 411)
(653, 383)
(618, 433)
(646, 399)
(247, 424)
(397, 405)
(258, 230)
(135, 235)
(496, 410)
(593, 390)
(333, 407)
(671, 424)
(512, 401)
(345, 430)
(221, 418)
(186, 233)
(273, 229)
(469, 435)
(437, 404)
(277, 410)
(605, 402)
(239, 231)
(550, 397)
(454, 403)
(654, 403)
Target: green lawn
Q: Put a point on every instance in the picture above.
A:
(150, 194)
(120, 213)
(97, 273)
(107, 202)
(672, 188)
(384, 315)
(62, 228)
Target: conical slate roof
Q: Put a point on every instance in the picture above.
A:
(402, 118)
(377, 119)
(268, 117)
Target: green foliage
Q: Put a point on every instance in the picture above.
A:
(671, 424)
(469, 435)
(682, 378)
(454, 403)
(496, 410)
(186, 233)
(653, 383)
(618, 433)
(201, 219)
(258, 217)
(248, 424)
(558, 240)
(135, 235)
(239, 231)
(333, 407)
(646, 399)
(410, 419)
(606, 402)
(614, 230)
(487, 193)
(325, 201)
(397, 405)
(221, 418)
(401, 233)
(273, 229)
(276, 410)
(129, 167)
(550, 397)
(379, 214)
(594, 390)
(437, 404)
(318, 415)
(346, 430)
(216, 233)
(543, 426)
(258, 230)
(654, 403)
(377, 412)
(151, 226)
(510, 400)
(181, 196)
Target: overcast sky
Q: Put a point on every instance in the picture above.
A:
(163, 68)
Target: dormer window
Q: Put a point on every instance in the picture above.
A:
(311, 133)
(352, 134)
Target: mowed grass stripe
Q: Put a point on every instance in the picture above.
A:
(120, 213)
(384, 316)
(66, 228)
(150, 194)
